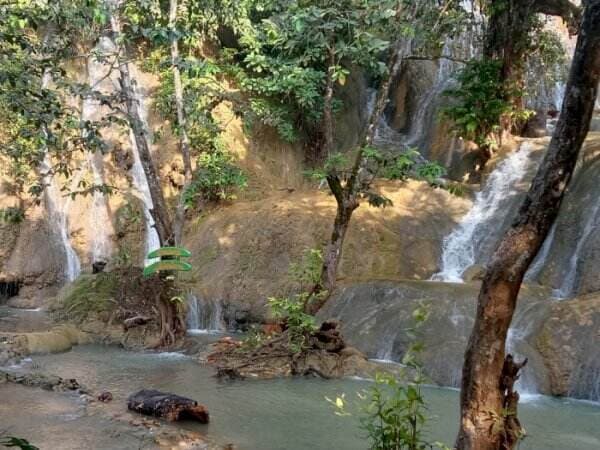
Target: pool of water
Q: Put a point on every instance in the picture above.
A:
(291, 414)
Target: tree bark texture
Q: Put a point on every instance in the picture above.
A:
(160, 212)
(327, 125)
(484, 423)
(184, 143)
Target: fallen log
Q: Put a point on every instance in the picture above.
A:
(135, 322)
(167, 406)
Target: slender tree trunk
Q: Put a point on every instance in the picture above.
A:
(484, 393)
(347, 196)
(327, 125)
(160, 212)
(184, 143)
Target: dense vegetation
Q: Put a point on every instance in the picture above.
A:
(284, 64)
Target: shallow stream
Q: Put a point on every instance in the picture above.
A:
(289, 414)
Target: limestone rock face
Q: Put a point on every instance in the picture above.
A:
(241, 254)
(568, 341)
(572, 257)
(559, 338)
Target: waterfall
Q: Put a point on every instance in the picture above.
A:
(98, 217)
(204, 316)
(459, 249)
(137, 172)
(540, 260)
(58, 209)
(571, 278)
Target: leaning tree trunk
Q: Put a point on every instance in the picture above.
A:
(184, 142)
(160, 212)
(171, 323)
(488, 406)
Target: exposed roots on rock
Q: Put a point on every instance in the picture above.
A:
(324, 354)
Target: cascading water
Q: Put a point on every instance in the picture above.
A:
(570, 280)
(58, 209)
(98, 214)
(459, 250)
(204, 316)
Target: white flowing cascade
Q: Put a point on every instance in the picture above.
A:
(58, 209)
(569, 284)
(98, 217)
(459, 249)
(204, 317)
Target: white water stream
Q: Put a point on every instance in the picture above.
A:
(459, 249)
(58, 209)
(204, 316)
(99, 220)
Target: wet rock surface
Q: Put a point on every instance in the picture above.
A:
(559, 337)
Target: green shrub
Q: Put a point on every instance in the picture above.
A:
(480, 102)
(431, 172)
(12, 215)
(299, 324)
(215, 179)
(393, 409)
(400, 167)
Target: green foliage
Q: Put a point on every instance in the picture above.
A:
(308, 271)
(431, 172)
(400, 167)
(12, 215)
(480, 101)
(215, 179)
(11, 441)
(299, 324)
(253, 339)
(37, 41)
(393, 410)
(457, 189)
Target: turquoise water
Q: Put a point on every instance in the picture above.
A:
(292, 414)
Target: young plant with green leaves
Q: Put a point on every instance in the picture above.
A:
(393, 410)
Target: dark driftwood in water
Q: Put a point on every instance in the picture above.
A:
(167, 406)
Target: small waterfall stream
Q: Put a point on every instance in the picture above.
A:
(58, 209)
(570, 280)
(460, 248)
(204, 316)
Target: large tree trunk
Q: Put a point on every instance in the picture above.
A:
(507, 36)
(160, 212)
(184, 143)
(484, 395)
